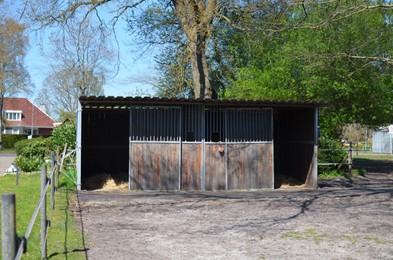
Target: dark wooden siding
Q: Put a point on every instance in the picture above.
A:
(250, 166)
(154, 166)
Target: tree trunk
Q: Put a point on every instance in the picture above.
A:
(199, 68)
(196, 17)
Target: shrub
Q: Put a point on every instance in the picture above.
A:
(31, 155)
(26, 142)
(66, 133)
(29, 164)
(10, 140)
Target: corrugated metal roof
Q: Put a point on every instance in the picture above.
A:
(125, 102)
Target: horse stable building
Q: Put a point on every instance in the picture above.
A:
(176, 144)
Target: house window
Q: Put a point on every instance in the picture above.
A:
(11, 131)
(13, 115)
(28, 131)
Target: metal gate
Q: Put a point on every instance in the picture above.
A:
(155, 148)
(238, 152)
(200, 148)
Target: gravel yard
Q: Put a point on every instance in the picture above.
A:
(343, 219)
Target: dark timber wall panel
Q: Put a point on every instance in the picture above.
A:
(154, 166)
(250, 166)
(215, 167)
(191, 166)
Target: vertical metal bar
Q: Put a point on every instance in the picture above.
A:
(130, 155)
(79, 146)
(226, 147)
(8, 226)
(203, 128)
(272, 139)
(315, 157)
(180, 148)
(148, 123)
(43, 213)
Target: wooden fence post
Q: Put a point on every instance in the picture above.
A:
(350, 160)
(52, 181)
(8, 226)
(43, 213)
(17, 177)
(62, 157)
(57, 167)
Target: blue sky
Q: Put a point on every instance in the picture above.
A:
(124, 83)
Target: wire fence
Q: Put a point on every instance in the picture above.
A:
(14, 247)
(347, 160)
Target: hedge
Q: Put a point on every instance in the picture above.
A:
(10, 140)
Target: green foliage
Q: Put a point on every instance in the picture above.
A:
(29, 164)
(31, 156)
(361, 172)
(68, 178)
(66, 133)
(10, 140)
(334, 63)
(330, 151)
(331, 174)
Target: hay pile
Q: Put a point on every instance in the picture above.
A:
(105, 182)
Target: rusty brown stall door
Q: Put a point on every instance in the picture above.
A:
(154, 166)
(250, 166)
(191, 166)
(215, 164)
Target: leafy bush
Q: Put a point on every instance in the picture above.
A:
(29, 164)
(330, 151)
(66, 133)
(26, 142)
(31, 155)
(10, 140)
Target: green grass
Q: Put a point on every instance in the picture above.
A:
(7, 151)
(331, 174)
(65, 241)
(309, 234)
(374, 156)
(312, 234)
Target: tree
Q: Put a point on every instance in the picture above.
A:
(198, 20)
(347, 63)
(14, 77)
(79, 67)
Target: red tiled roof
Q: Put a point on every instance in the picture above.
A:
(30, 112)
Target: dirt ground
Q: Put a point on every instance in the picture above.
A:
(342, 219)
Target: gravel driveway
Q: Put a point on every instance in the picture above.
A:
(343, 219)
